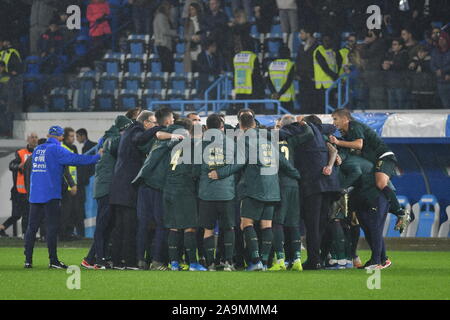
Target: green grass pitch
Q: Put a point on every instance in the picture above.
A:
(413, 275)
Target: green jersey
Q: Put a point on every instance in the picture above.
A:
(373, 146)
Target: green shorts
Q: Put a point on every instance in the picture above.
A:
(180, 211)
(287, 212)
(213, 211)
(257, 210)
(386, 165)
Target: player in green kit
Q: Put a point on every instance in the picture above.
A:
(260, 188)
(217, 196)
(180, 202)
(361, 138)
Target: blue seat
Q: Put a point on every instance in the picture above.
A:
(82, 45)
(156, 80)
(180, 48)
(176, 95)
(276, 28)
(32, 65)
(254, 29)
(150, 95)
(114, 62)
(106, 100)
(229, 12)
(137, 44)
(109, 81)
(180, 81)
(59, 99)
(132, 81)
(427, 213)
(179, 63)
(83, 100)
(155, 63)
(32, 84)
(129, 99)
(135, 64)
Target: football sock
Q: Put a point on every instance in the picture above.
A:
(228, 242)
(173, 242)
(354, 237)
(296, 244)
(394, 206)
(190, 243)
(209, 245)
(338, 241)
(251, 243)
(278, 240)
(266, 247)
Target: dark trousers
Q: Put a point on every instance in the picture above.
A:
(20, 209)
(104, 224)
(166, 57)
(372, 222)
(69, 207)
(80, 213)
(124, 235)
(51, 211)
(308, 97)
(150, 209)
(142, 19)
(316, 208)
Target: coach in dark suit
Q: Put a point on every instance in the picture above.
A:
(317, 189)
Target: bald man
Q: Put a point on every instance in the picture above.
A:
(19, 196)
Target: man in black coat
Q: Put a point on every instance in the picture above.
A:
(318, 189)
(123, 195)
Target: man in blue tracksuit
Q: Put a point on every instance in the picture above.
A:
(48, 161)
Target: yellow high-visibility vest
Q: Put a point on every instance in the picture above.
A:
(322, 79)
(243, 62)
(72, 169)
(345, 62)
(7, 54)
(278, 73)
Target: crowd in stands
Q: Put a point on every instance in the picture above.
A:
(404, 65)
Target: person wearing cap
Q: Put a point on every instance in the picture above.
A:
(48, 161)
(104, 170)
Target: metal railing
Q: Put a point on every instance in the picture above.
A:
(339, 83)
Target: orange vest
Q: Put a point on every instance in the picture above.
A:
(20, 181)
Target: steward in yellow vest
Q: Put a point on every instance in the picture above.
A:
(327, 63)
(281, 79)
(11, 58)
(72, 169)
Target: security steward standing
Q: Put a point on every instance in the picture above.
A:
(48, 161)
(281, 79)
(248, 82)
(19, 196)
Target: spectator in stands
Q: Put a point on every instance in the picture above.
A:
(440, 64)
(186, 8)
(327, 63)
(142, 12)
(98, 12)
(411, 44)
(345, 51)
(42, 12)
(50, 45)
(423, 83)
(281, 79)
(248, 81)
(165, 36)
(240, 30)
(242, 4)
(208, 65)
(435, 36)
(216, 22)
(193, 34)
(396, 64)
(288, 18)
(265, 10)
(305, 69)
(373, 51)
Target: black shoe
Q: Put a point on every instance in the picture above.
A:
(28, 265)
(57, 265)
(368, 263)
(311, 266)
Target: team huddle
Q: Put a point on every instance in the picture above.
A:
(161, 208)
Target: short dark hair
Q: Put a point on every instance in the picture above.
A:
(208, 43)
(82, 132)
(399, 40)
(284, 52)
(191, 114)
(343, 113)
(240, 112)
(307, 29)
(247, 120)
(41, 141)
(67, 130)
(185, 123)
(133, 113)
(315, 120)
(214, 121)
(162, 113)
